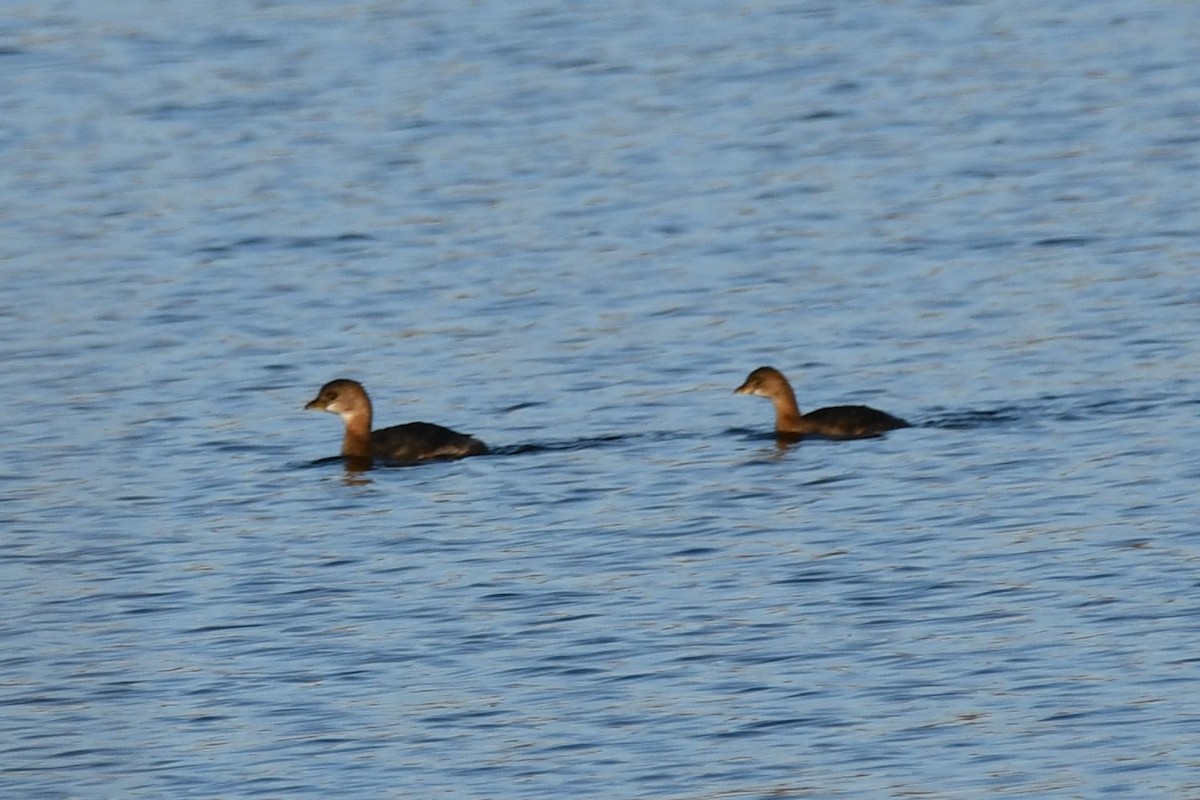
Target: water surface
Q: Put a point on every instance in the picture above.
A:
(571, 230)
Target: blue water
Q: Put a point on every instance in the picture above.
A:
(571, 229)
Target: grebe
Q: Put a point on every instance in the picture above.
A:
(416, 441)
(839, 422)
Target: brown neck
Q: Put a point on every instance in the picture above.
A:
(787, 413)
(357, 441)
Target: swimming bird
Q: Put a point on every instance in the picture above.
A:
(838, 422)
(415, 441)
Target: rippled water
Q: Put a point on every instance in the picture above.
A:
(572, 229)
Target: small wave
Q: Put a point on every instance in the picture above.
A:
(1066, 241)
(1050, 408)
(966, 420)
(521, 407)
(584, 443)
(284, 243)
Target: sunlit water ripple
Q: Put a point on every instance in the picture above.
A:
(572, 230)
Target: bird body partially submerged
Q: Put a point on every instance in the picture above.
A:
(412, 442)
(837, 422)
